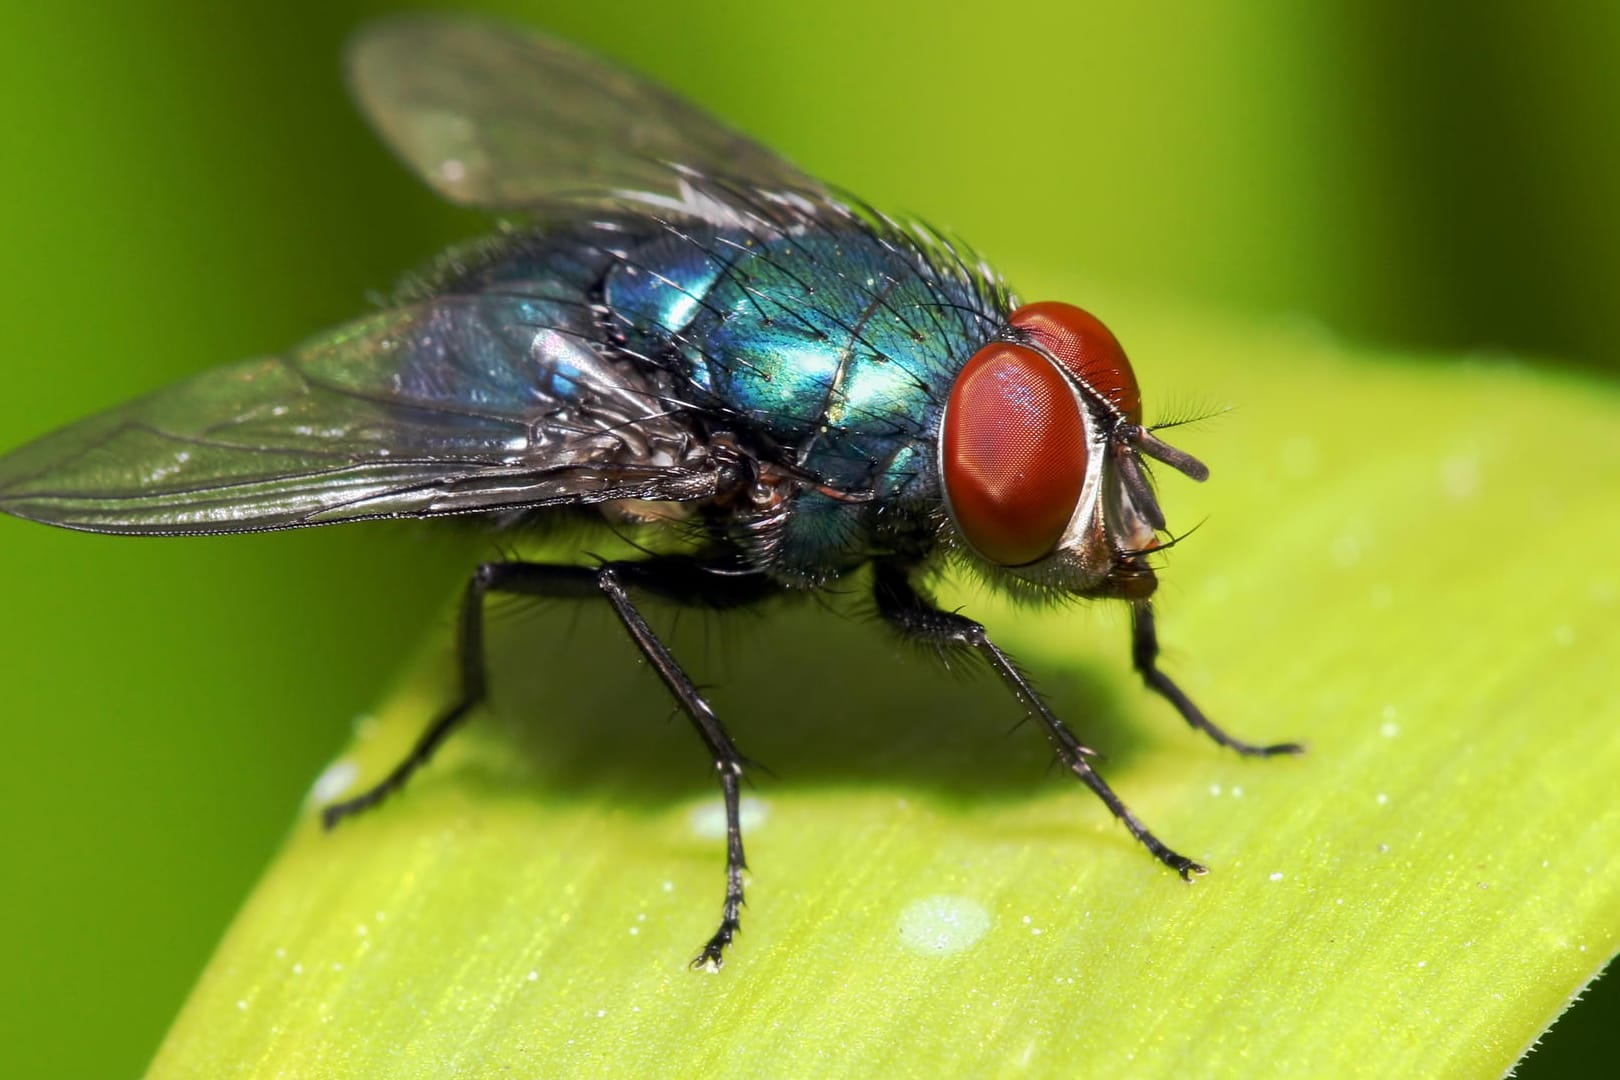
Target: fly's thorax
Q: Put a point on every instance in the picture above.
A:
(831, 333)
(824, 345)
(1040, 458)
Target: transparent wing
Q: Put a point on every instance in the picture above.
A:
(458, 404)
(499, 118)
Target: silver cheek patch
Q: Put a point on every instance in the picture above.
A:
(1117, 514)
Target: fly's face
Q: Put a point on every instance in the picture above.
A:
(1040, 457)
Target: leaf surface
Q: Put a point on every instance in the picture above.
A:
(1406, 562)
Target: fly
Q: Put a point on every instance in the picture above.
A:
(774, 383)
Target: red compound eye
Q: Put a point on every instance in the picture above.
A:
(1087, 350)
(1012, 453)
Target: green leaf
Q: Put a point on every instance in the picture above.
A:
(1406, 562)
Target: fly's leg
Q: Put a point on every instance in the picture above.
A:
(899, 602)
(490, 577)
(1145, 655)
(681, 579)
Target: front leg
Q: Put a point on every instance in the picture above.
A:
(1145, 656)
(908, 611)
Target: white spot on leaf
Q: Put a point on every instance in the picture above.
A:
(1459, 477)
(331, 784)
(709, 820)
(941, 925)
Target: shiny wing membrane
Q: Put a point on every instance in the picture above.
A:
(454, 405)
(503, 119)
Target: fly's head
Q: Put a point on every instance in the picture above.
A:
(1040, 458)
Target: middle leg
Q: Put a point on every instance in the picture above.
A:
(683, 580)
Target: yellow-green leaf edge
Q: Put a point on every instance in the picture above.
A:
(1407, 562)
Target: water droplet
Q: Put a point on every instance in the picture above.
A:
(331, 784)
(941, 925)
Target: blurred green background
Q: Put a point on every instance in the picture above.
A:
(187, 185)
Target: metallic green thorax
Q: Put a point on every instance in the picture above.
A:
(833, 346)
